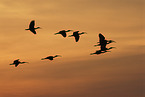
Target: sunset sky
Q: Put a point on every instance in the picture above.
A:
(119, 73)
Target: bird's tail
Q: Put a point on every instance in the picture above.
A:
(27, 29)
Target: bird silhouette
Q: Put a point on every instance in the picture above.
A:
(77, 35)
(102, 44)
(63, 32)
(17, 62)
(51, 57)
(103, 50)
(32, 28)
(102, 39)
(97, 52)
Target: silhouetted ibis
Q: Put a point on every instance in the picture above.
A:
(102, 39)
(77, 35)
(51, 57)
(17, 62)
(63, 32)
(32, 28)
(97, 52)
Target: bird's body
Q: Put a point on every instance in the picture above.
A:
(32, 28)
(51, 57)
(63, 32)
(103, 45)
(77, 35)
(17, 62)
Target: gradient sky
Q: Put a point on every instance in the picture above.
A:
(119, 73)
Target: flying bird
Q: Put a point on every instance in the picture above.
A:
(63, 32)
(17, 62)
(51, 57)
(32, 28)
(77, 35)
(102, 39)
(97, 52)
(103, 50)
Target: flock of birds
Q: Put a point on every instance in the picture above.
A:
(102, 42)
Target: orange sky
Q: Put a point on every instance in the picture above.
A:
(118, 73)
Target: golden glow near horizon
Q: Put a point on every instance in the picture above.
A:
(76, 73)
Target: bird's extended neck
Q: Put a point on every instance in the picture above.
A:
(37, 28)
(23, 62)
(57, 56)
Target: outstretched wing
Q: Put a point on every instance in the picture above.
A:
(101, 37)
(32, 24)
